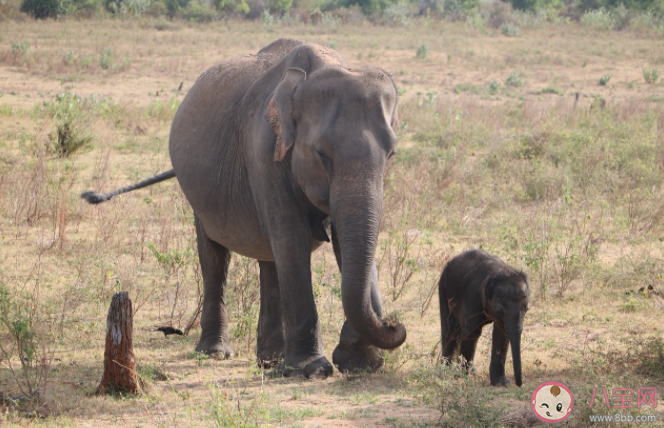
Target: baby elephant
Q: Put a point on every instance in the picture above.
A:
(476, 289)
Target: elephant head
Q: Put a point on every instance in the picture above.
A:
(506, 298)
(339, 123)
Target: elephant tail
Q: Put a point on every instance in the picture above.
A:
(95, 198)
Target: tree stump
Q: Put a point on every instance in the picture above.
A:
(119, 360)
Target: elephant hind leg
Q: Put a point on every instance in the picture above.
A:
(449, 328)
(214, 259)
(449, 336)
(471, 334)
(270, 344)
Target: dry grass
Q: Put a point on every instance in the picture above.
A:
(567, 187)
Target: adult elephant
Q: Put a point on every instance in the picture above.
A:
(272, 150)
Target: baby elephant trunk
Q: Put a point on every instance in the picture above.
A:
(514, 335)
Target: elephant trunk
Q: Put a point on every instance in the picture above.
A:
(356, 207)
(514, 335)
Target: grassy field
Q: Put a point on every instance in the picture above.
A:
(546, 149)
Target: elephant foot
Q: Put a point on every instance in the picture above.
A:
(319, 368)
(357, 357)
(501, 381)
(218, 348)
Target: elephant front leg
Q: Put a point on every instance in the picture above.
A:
(304, 353)
(270, 346)
(499, 344)
(214, 260)
(353, 353)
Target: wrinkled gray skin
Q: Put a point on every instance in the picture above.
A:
(273, 151)
(476, 289)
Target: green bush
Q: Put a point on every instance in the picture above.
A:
(514, 80)
(529, 19)
(551, 90)
(396, 15)
(106, 59)
(242, 8)
(268, 20)
(123, 7)
(84, 8)
(422, 51)
(20, 49)
(654, 6)
(368, 7)
(68, 139)
(494, 87)
(157, 8)
(535, 5)
(650, 76)
(42, 9)
(200, 12)
(280, 5)
(69, 111)
(477, 22)
(599, 19)
(23, 339)
(648, 20)
(459, 9)
(510, 30)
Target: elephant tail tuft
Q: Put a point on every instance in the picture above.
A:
(94, 197)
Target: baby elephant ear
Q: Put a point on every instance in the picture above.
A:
(280, 111)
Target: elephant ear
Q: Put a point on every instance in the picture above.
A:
(280, 111)
(395, 121)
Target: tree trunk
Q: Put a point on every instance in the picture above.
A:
(119, 360)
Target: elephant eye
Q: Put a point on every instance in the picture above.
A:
(325, 160)
(322, 154)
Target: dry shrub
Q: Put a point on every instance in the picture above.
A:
(25, 348)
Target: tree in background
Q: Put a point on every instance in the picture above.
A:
(369, 7)
(535, 5)
(656, 6)
(42, 9)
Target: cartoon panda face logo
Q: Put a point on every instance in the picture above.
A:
(552, 402)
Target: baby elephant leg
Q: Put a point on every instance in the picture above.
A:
(468, 346)
(270, 341)
(450, 338)
(499, 345)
